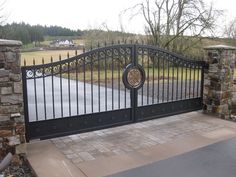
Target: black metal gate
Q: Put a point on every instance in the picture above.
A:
(108, 86)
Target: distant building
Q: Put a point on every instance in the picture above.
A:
(62, 43)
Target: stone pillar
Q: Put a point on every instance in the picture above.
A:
(12, 129)
(218, 80)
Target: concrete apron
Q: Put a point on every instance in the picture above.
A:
(47, 161)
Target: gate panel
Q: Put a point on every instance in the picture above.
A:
(173, 84)
(86, 89)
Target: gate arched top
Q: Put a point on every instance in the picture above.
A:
(168, 55)
(112, 51)
(81, 56)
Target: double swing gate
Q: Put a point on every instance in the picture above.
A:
(108, 86)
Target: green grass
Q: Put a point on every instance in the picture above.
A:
(47, 54)
(163, 75)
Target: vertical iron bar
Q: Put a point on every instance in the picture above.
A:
(182, 70)
(91, 77)
(202, 80)
(198, 81)
(25, 98)
(106, 80)
(68, 73)
(153, 79)
(163, 79)
(134, 93)
(168, 79)
(119, 79)
(194, 79)
(35, 93)
(148, 55)
(186, 80)
(158, 84)
(77, 80)
(99, 84)
(44, 92)
(173, 80)
(177, 82)
(85, 111)
(112, 77)
(124, 86)
(144, 68)
(53, 100)
(61, 87)
(190, 80)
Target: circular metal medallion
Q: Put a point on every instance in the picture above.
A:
(133, 77)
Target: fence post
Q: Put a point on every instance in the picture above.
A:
(12, 130)
(218, 80)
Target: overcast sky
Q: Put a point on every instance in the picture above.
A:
(85, 14)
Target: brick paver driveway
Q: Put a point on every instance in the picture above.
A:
(120, 140)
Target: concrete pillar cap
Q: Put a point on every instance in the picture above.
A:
(220, 47)
(5, 42)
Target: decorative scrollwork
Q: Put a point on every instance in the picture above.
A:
(128, 51)
(116, 52)
(109, 53)
(121, 53)
(101, 54)
(156, 53)
(29, 73)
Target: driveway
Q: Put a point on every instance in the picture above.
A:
(89, 95)
(110, 151)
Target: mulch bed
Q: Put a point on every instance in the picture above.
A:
(19, 167)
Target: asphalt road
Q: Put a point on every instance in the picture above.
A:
(216, 160)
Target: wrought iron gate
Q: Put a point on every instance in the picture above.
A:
(108, 86)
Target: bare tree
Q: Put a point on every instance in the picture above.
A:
(168, 22)
(3, 18)
(230, 29)
(3, 14)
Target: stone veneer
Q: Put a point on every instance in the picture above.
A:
(12, 130)
(218, 80)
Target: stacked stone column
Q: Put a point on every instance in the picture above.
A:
(218, 80)
(12, 129)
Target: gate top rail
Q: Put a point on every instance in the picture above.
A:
(177, 57)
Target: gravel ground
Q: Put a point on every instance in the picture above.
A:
(18, 168)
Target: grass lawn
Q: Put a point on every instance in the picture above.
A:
(38, 55)
(162, 76)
